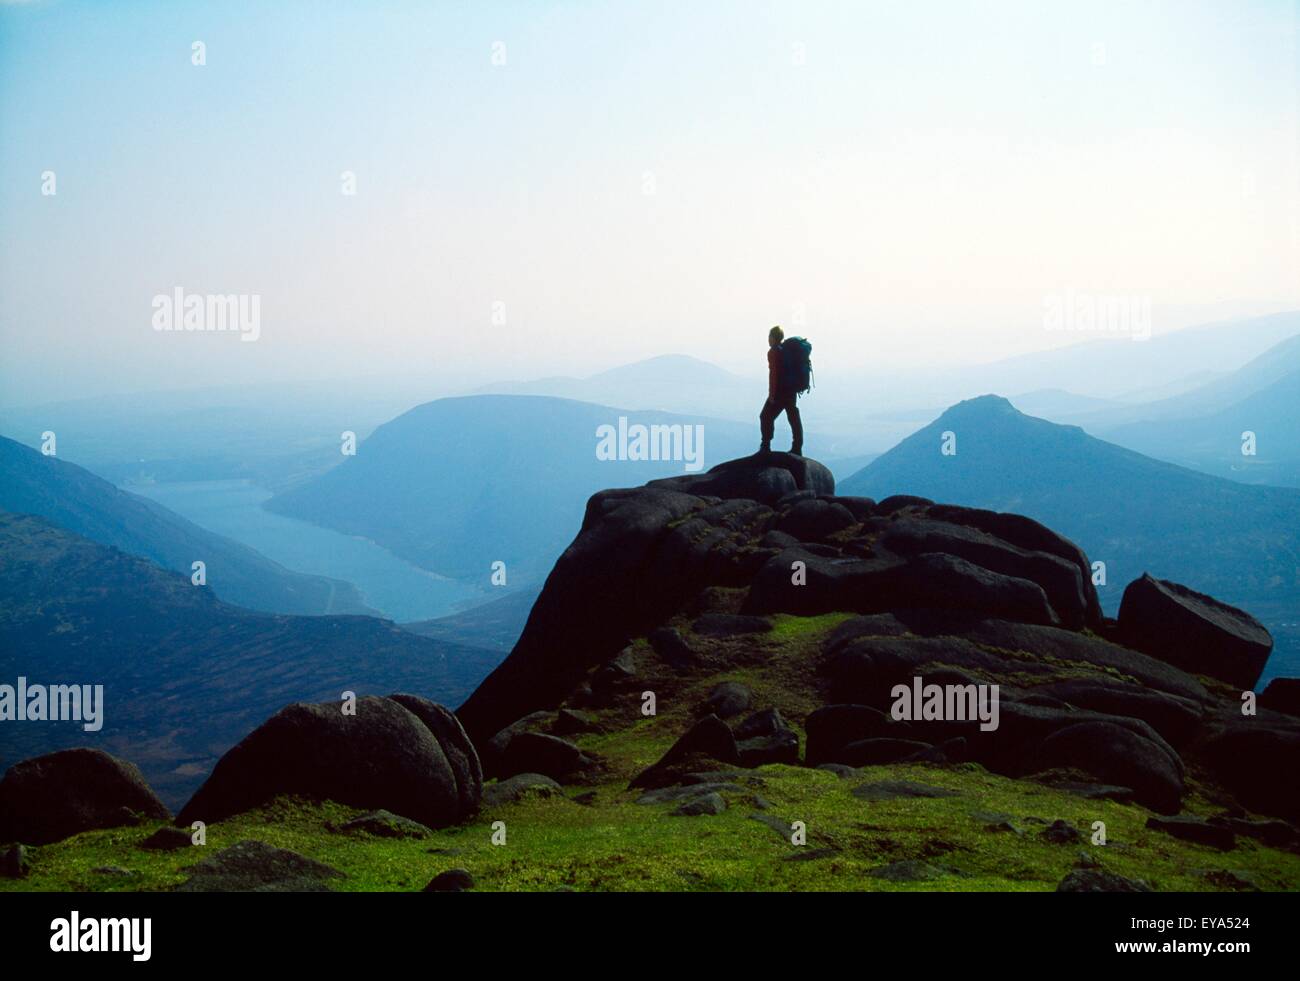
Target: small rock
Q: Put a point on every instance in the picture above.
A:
(1195, 830)
(810, 854)
(727, 699)
(669, 644)
(168, 839)
(536, 752)
(1096, 791)
(839, 769)
(783, 828)
(453, 880)
(1097, 880)
(386, 824)
(15, 861)
(898, 790)
(666, 795)
(1225, 879)
(1061, 833)
(513, 788)
(569, 723)
(721, 776)
(115, 870)
(255, 866)
(1004, 827)
(710, 803)
(911, 870)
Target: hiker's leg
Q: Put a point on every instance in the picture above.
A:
(767, 423)
(796, 426)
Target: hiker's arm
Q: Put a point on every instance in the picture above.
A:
(772, 363)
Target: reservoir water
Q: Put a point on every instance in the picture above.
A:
(389, 584)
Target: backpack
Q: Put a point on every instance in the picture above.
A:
(796, 365)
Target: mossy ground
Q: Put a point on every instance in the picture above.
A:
(609, 842)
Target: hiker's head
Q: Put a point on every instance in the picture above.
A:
(775, 336)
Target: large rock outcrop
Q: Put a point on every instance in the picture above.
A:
(960, 598)
(1194, 631)
(49, 798)
(643, 552)
(403, 754)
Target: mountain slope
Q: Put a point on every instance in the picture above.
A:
(457, 484)
(493, 626)
(77, 500)
(1113, 367)
(185, 676)
(1213, 442)
(1279, 362)
(1237, 542)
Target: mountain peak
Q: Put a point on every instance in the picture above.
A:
(982, 406)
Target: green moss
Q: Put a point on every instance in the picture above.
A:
(617, 844)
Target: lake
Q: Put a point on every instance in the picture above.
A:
(389, 584)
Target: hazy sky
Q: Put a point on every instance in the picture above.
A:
(913, 178)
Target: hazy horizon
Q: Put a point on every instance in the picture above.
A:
(619, 184)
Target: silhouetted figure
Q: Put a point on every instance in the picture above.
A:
(786, 378)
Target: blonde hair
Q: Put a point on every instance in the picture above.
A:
(775, 334)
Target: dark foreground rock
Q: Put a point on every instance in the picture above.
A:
(384, 756)
(702, 566)
(1193, 631)
(49, 798)
(708, 741)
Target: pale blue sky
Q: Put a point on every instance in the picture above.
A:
(914, 177)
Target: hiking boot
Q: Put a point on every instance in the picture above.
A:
(765, 447)
(797, 450)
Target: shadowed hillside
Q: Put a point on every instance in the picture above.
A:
(75, 499)
(185, 675)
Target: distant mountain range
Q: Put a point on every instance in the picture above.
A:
(457, 484)
(1215, 442)
(1204, 428)
(78, 501)
(668, 383)
(185, 675)
(1120, 367)
(1236, 542)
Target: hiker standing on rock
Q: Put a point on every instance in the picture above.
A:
(789, 375)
